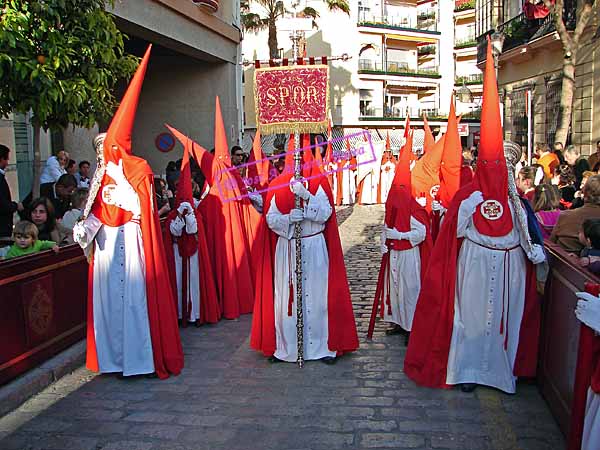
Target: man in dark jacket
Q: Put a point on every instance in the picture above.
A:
(7, 206)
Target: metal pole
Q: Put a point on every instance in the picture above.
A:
(296, 36)
(529, 130)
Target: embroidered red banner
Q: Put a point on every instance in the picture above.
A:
(292, 99)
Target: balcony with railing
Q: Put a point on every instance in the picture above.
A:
(463, 5)
(395, 113)
(469, 79)
(422, 23)
(465, 41)
(520, 30)
(395, 68)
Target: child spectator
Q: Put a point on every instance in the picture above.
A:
(564, 179)
(546, 205)
(78, 199)
(26, 239)
(589, 236)
(41, 213)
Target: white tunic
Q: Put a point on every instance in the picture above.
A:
(368, 195)
(387, 176)
(176, 228)
(591, 425)
(348, 184)
(315, 269)
(490, 291)
(121, 325)
(405, 282)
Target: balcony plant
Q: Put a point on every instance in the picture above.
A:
(464, 6)
(426, 50)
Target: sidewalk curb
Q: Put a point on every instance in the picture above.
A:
(18, 391)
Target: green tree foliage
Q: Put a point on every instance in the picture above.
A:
(60, 59)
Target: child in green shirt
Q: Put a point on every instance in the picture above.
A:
(25, 235)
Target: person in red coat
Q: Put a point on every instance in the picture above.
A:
(132, 320)
(187, 254)
(329, 325)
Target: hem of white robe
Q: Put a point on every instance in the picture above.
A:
(390, 319)
(127, 373)
(591, 424)
(483, 379)
(290, 358)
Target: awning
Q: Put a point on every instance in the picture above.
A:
(410, 38)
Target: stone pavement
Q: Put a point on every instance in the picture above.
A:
(229, 397)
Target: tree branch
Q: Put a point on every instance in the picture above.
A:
(582, 21)
(557, 10)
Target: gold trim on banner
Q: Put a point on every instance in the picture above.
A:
(291, 127)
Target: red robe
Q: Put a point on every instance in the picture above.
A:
(342, 327)
(166, 344)
(426, 359)
(209, 303)
(587, 375)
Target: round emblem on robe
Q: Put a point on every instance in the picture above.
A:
(491, 209)
(433, 192)
(109, 194)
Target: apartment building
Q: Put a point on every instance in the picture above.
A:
(403, 62)
(195, 55)
(530, 73)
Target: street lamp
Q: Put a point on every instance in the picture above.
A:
(464, 94)
(497, 39)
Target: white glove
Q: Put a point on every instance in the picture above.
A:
(183, 207)
(116, 172)
(296, 215)
(437, 206)
(475, 198)
(79, 234)
(421, 201)
(392, 233)
(384, 248)
(537, 254)
(299, 189)
(588, 310)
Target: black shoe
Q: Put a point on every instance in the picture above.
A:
(151, 375)
(197, 324)
(396, 329)
(468, 387)
(329, 360)
(273, 359)
(406, 339)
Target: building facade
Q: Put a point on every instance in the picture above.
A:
(195, 57)
(407, 57)
(530, 74)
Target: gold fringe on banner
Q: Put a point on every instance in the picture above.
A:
(291, 126)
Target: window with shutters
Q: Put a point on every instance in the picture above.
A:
(553, 90)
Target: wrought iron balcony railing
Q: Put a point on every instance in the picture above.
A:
(425, 24)
(396, 68)
(520, 30)
(465, 41)
(397, 113)
(469, 79)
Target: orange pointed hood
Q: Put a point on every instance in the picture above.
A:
(118, 137)
(388, 144)
(400, 198)
(184, 186)
(221, 147)
(329, 151)
(492, 217)
(258, 166)
(429, 141)
(451, 160)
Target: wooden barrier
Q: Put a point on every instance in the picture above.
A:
(560, 332)
(42, 307)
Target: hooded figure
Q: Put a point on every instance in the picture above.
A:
(386, 172)
(458, 336)
(132, 320)
(405, 245)
(187, 254)
(329, 326)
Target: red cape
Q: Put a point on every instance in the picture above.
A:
(342, 326)
(587, 374)
(166, 344)
(427, 354)
(209, 304)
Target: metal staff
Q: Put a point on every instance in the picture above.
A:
(298, 233)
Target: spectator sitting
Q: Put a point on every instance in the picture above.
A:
(566, 230)
(41, 213)
(564, 179)
(78, 200)
(546, 205)
(83, 176)
(577, 162)
(526, 183)
(594, 159)
(25, 235)
(589, 236)
(54, 168)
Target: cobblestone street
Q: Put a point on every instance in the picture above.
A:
(229, 397)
